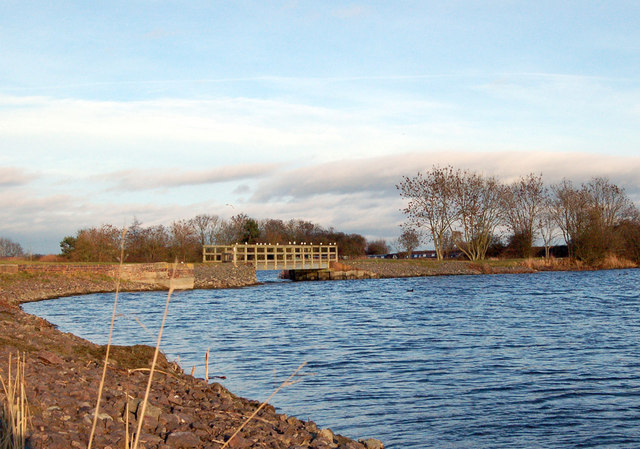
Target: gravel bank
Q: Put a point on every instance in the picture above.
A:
(415, 268)
(63, 373)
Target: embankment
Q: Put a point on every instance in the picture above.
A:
(387, 268)
(63, 372)
(384, 268)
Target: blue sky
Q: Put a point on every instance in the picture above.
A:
(163, 110)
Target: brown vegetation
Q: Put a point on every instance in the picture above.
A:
(183, 239)
(597, 219)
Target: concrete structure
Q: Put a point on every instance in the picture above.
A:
(273, 257)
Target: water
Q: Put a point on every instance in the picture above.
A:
(545, 360)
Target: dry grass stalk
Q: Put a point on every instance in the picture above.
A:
(286, 383)
(145, 401)
(106, 356)
(206, 369)
(14, 414)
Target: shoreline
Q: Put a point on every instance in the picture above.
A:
(62, 374)
(63, 370)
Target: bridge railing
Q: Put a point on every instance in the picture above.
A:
(272, 257)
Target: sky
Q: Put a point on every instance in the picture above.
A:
(162, 110)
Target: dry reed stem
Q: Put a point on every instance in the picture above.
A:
(14, 414)
(206, 370)
(106, 356)
(286, 383)
(155, 359)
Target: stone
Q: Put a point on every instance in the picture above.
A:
(326, 434)
(169, 421)
(372, 443)
(238, 442)
(183, 440)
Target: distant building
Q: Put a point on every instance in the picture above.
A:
(425, 254)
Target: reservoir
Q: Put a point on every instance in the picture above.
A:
(543, 360)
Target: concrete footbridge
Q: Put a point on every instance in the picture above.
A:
(264, 256)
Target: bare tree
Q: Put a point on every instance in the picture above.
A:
(156, 244)
(570, 209)
(431, 203)
(408, 241)
(609, 203)
(184, 240)
(478, 201)
(547, 227)
(523, 202)
(207, 227)
(9, 248)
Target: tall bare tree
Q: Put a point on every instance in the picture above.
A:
(478, 201)
(207, 227)
(547, 227)
(431, 203)
(609, 203)
(523, 203)
(570, 208)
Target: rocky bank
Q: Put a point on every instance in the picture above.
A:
(63, 371)
(416, 268)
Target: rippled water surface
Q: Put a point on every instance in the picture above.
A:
(521, 361)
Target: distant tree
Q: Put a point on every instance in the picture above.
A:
(523, 203)
(628, 232)
(431, 203)
(349, 245)
(570, 209)
(408, 241)
(547, 227)
(478, 202)
(273, 231)
(207, 227)
(250, 231)
(134, 244)
(9, 248)
(232, 230)
(609, 203)
(377, 247)
(68, 246)
(95, 244)
(156, 244)
(184, 241)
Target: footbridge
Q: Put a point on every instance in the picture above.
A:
(273, 257)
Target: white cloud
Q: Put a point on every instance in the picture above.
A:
(12, 176)
(352, 195)
(137, 179)
(379, 175)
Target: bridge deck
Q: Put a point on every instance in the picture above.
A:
(272, 257)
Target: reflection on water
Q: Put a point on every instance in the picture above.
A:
(542, 360)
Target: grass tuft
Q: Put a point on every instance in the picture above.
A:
(611, 262)
(14, 414)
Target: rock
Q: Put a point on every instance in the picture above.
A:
(183, 440)
(326, 434)
(372, 443)
(169, 421)
(238, 442)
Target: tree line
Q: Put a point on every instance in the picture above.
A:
(183, 239)
(465, 210)
(9, 248)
